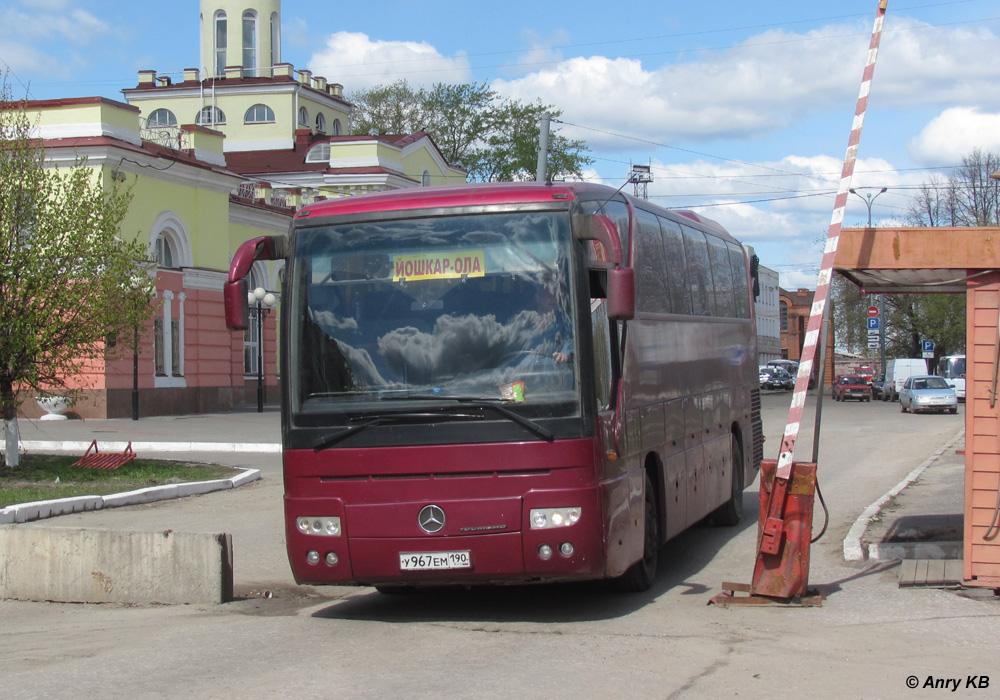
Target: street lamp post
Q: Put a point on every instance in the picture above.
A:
(261, 302)
(868, 198)
(135, 372)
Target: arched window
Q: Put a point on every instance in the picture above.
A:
(425, 179)
(783, 311)
(250, 43)
(321, 123)
(220, 43)
(320, 153)
(169, 242)
(259, 114)
(303, 116)
(251, 338)
(161, 117)
(163, 254)
(209, 116)
(338, 129)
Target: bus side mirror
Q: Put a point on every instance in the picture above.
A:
(234, 291)
(600, 228)
(621, 294)
(237, 308)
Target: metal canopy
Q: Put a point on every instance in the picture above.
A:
(938, 260)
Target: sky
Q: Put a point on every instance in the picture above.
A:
(742, 109)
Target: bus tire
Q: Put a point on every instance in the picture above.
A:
(640, 576)
(730, 512)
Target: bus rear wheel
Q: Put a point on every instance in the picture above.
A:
(730, 512)
(640, 576)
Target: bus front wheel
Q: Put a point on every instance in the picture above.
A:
(640, 576)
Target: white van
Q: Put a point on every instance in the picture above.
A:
(952, 368)
(897, 372)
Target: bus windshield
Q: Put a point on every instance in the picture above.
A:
(466, 307)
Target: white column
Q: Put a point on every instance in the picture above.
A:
(180, 344)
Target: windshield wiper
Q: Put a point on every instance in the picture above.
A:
(383, 419)
(479, 402)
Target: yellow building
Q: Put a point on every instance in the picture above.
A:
(284, 127)
(224, 154)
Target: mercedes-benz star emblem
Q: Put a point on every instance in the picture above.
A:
(431, 519)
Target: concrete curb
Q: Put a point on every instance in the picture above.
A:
(885, 551)
(171, 446)
(853, 549)
(38, 510)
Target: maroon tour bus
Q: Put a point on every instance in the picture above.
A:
(506, 383)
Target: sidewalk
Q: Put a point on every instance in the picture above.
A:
(922, 517)
(215, 432)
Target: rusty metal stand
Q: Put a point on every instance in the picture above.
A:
(108, 460)
(784, 532)
(728, 598)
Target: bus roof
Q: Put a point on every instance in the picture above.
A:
(453, 196)
(487, 193)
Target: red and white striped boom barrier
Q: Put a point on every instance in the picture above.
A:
(787, 488)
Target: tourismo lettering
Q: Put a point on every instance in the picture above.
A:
(465, 263)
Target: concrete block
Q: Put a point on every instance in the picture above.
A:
(7, 515)
(246, 477)
(112, 566)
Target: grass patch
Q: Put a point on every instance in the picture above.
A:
(44, 477)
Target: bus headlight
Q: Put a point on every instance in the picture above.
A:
(323, 526)
(544, 518)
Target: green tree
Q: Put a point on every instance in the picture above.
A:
(492, 137)
(967, 197)
(68, 282)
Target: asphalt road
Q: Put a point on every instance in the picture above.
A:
(868, 640)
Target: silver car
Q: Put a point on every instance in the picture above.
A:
(927, 393)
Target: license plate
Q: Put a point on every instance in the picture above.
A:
(434, 561)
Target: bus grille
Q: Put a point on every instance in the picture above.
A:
(758, 428)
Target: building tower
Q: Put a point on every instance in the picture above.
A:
(233, 34)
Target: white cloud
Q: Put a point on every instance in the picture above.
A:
(77, 26)
(919, 64)
(955, 132)
(764, 85)
(355, 60)
(23, 59)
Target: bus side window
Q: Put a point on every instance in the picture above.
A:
(653, 294)
(601, 337)
(722, 274)
(675, 266)
(741, 284)
(699, 272)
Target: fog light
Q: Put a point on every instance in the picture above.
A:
(544, 552)
(313, 557)
(332, 558)
(566, 549)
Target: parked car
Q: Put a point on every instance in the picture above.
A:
(896, 373)
(877, 382)
(775, 378)
(927, 392)
(851, 387)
